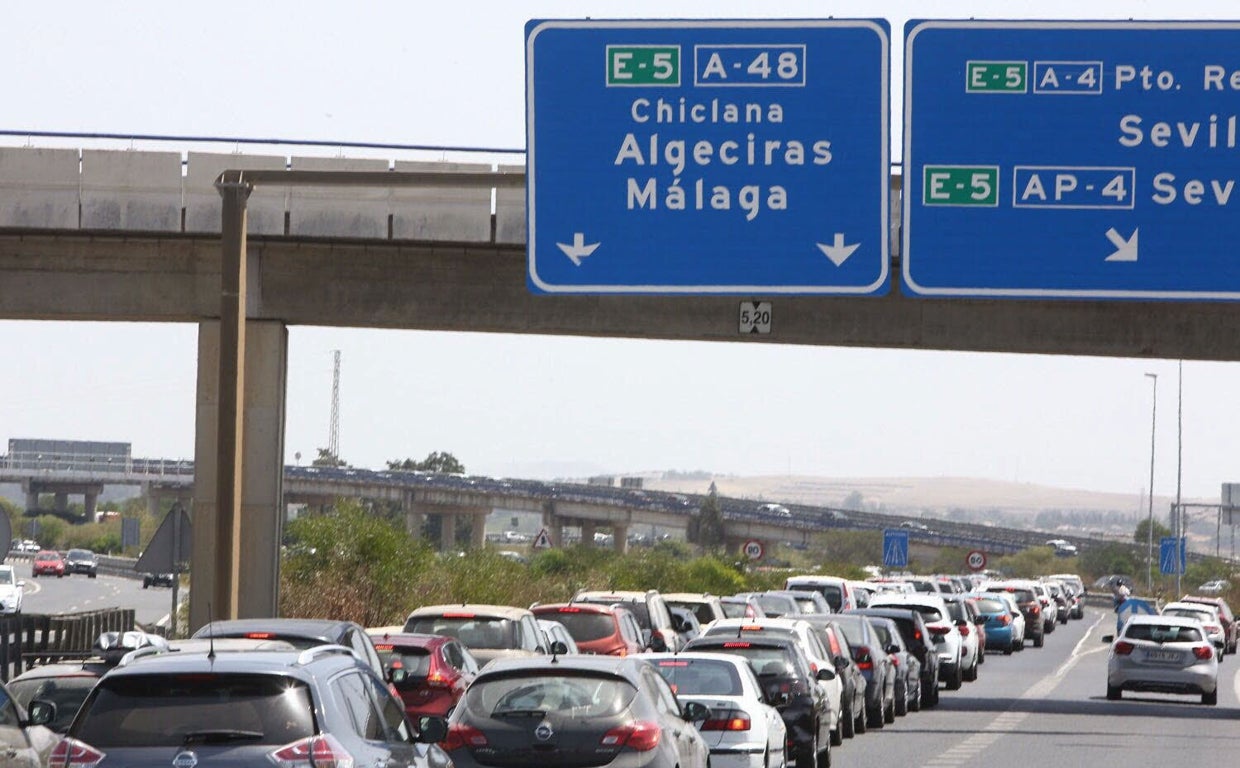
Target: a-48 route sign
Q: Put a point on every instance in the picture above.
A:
(708, 157)
(1072, 159)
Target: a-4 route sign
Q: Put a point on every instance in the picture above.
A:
(708, 157)
(1072, 159)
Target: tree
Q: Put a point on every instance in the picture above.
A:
(327, 459)
(435, 461)
(708, 525)
(1141, 535)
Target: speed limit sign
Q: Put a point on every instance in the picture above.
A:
(976, 560)
(753, 549)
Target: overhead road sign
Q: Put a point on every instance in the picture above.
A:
(708, 157)
(1063, 159)
(895, 549)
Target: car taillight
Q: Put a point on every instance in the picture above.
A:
(964, 630)
(1035, 609)
(939, 630)
(1212, 628)
(640, 735)
(440, 675)
(321, 751)
(895, 661)
(71, 753)
(1203, 652)
(1004, 619)
(727, 720)
(461, 735)
(1123, 648)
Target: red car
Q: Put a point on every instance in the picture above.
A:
(606, 630)
(48, 563)
(429, 672)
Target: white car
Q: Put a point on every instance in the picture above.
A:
(948, 642)
(1208, 616)
(811, 643)
(1164, 654)
(12, 590)
(971, 649)
(554, 630)
(742, 731)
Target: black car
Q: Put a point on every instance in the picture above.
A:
(157, 580)
(231, 708)
(916, 636)
(789, 686)
(870, 653)
(82, 561)
(578, 710)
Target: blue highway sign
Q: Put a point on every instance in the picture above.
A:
(1072, 159)
(1171, 558)
(895, 549)
(708, 157)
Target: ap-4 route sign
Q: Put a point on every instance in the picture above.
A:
(707, 157)
(1072, 159)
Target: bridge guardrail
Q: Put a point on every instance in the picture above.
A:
(31, 639)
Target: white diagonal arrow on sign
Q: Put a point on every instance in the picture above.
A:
(837, 252)
(1125, 250)
(578, 250)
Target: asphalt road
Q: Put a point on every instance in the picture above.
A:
(1047, 707)
(71, 594)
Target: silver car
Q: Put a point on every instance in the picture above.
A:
(1163, 654)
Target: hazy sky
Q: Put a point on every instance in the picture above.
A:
(451, 74)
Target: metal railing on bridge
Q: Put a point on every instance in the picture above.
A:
(28, 640)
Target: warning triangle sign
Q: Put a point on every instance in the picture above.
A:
(542, 540)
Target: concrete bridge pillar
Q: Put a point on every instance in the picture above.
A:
(252, 558)
(91, 500)
(447, 531)
(32, 501)
(620, 538)
(415, 517)
(62, 501)
(587, 534)
(554, 524)
(478, 529)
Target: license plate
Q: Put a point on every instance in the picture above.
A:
(1162, 655)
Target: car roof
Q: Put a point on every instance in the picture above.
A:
(1151, 618)
(1189, 605)
(779, 623)
(204, 644)
(689, 597)
(324, 629)
(89, 668)
(628, 667)
(732, 658)
(239, 662)
(465, 610)
(599, 608)
(416, 639)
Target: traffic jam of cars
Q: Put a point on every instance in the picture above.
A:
(759, 680)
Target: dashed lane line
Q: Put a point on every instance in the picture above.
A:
(1010, 721)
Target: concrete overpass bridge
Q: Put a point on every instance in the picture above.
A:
(149, 237)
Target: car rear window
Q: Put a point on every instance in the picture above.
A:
(487, 632)
(734, 610)
(1162, 633)
(67, 693)
(415, 661)
(584, 626)
(853, 632)
(991, 605)
(702, 611)
(200, 708)
(640, 610)
(700, 677)
(573, 695)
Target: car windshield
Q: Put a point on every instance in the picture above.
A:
(584, 626)
(485, 632)
(536, 693)
(79, 554)
(178, 710)
(700, 677)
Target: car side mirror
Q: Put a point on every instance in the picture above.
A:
(841, 662)
(657, 643)
(892, 649)
(21, 582)
(1108, 638)
(678, 623)
(558, 648)
(41, 712)
(695, 711)
(431, 729)
(980, 621)
(825, 674)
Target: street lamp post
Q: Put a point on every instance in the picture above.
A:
(1149, 531)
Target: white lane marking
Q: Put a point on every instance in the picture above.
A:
(1010, 721)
